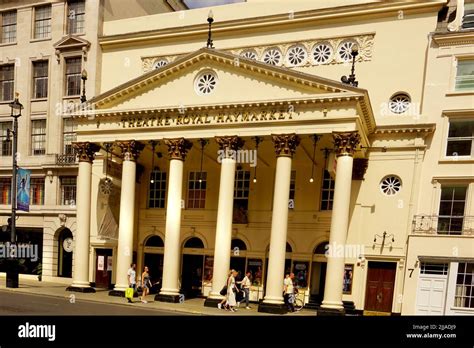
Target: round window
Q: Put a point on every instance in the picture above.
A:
(297, 55)
(399, 103)
(205, 82)
(390, 185)
(159, 63)
(272, 56)
(322, 53)
(345, 50)
(249, 54)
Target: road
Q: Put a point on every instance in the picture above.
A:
(27, 304)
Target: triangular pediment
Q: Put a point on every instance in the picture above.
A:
(70, 42)
(237, 79)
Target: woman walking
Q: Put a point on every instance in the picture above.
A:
(231, 291)
(146, 284)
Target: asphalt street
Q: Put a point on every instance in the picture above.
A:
(27, 304)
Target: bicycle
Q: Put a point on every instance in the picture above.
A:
(298, 303)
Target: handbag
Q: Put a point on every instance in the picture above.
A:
(129, 293)
(223, 292)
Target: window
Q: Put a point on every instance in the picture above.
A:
(76, 16)
(327, 191)
(68, 190)
(465, 286)
(434, 268)
(69, 135)
(42, 22)
(37, 191)
(38, 137)
(291, 203)
(451, 209)
(40, 79)
(197, 190)
(6, 149)
(460, 138)
(390, 185)
(73, 76)
(5, 190)
(6, 82)
(157, 194)
(465, 75)
(241, 196)
(9, 27)
(468, 18)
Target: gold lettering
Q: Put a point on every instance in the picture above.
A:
(245, 117)
(282, 116)
(179, 120)
(263, 116)
(272, 115)
(254, 117)
(197, 119)
(167, 120)
(208, 120)
(123, 120)
(220, 118)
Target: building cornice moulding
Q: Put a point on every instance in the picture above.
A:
(454, 39)
(427, 128)
(319, 16)
(458, 113)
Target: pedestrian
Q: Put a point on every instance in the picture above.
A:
(223, 303)
(231, 291)
(146, 284)
(245, 286)
(289, 291)
(132, 279)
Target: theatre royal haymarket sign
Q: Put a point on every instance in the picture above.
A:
(167, 120)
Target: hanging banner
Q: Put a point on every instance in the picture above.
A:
(23, 189)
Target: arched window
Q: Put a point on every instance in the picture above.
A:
(154, 241)
(321, 248)
(239, 244)
(289, 249)
(194, 242)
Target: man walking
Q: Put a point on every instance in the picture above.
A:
(289, 291)
(132, 279)
(245, 286)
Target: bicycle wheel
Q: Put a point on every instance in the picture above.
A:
(298, 304)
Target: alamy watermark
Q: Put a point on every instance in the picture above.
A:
(240, 156)
(344, 250)
(19, 251)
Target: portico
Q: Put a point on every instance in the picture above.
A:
(284, 108)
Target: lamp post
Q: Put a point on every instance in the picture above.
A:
(210, 19)
(351, 80)
(84, 79)
(12, 271)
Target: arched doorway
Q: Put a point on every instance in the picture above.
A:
(192, 268)
(238, 257)
(65, 250)
(153, 258)
(318, 273)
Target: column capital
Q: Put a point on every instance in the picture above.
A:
(285, 144)
(178, 148)
(86, 151)
(228, 143)
(130, 149)
(345, 143)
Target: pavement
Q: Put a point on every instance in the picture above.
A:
(192, 306)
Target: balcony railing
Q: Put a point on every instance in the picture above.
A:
(66, 159)
(443, 225)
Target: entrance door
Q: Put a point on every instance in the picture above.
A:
(431, 292)
(238, 263)
(380, 286)
(191, 276)
(103, 268)
(155, 266)
(318, 281)
(65, 253)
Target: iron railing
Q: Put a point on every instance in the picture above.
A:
(443, 225)
(66, 159)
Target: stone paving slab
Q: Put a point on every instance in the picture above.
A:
(193, 306)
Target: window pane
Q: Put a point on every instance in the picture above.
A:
(43, 22)
(465, 75)
(9, 27)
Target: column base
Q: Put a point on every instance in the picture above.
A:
(273, 308)
(330, 312)
(212, 302)
(84, 289)
(168, 298)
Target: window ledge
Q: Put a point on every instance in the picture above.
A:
(33, 100)
(459, 93)
(5, 102)
(72, 96)
(463, 309)
(7, 44)
(41, 39)
(460, 159)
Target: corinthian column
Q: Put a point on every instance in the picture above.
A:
(130, 151)
(345, 144)
(86, 152)
(225, 207)
(177, 150)
(285, 147)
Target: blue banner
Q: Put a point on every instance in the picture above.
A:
(23, 189)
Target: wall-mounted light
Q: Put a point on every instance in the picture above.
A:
(49, 175)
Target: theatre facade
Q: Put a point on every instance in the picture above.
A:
(254, 156)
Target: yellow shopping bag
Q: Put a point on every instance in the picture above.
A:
(129, 293)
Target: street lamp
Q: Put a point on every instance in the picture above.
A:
(351, 80)
(210, 19)
(12, 271)
(84, 79)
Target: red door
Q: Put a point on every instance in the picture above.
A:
(380, 286)
(103, 268)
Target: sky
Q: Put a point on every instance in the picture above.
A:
(208, 3)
